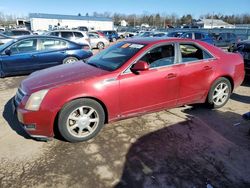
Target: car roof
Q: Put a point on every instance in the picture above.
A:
(65, 30)
(40, 37)
(155, 40)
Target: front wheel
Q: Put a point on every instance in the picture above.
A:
(81, 120)
(69, 60)
(219, 93)
(100, 45)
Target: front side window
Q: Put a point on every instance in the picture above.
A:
(115, 56)
(52, 44)
(191, 52)
(160, 56)
(24, 46)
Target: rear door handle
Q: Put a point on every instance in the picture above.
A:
(171, 75)
(207, 68)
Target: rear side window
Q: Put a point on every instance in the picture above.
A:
(66, 35)
(54, 34)
(191, 52)
(52, 44)
(78, 35)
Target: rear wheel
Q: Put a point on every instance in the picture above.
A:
(81, 120)
(113, 39)
(70, 60)
(219, 93)
(100, 45)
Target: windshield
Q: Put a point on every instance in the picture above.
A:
(115, 56)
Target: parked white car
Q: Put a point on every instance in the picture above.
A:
(97, 41)
(72, 35)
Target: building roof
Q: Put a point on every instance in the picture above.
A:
(68, 17)
(214, 22)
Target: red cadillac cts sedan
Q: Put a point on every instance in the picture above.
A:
(132, 77)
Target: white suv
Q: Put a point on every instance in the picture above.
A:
(72, 35)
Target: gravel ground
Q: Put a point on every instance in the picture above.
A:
(189, 146)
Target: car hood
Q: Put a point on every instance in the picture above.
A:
(60, 75)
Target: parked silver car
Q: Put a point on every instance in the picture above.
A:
(72, 35)
(4, 39)
(15, 33)
(97, 41)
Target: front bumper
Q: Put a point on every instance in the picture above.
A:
(32, 123)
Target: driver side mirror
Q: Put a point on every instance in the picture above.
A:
(7, 52)
(139, 66)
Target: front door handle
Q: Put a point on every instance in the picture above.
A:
(171, 75)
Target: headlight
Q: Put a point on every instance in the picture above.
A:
(35, 100)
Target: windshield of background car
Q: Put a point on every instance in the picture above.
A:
(115, 56)
(3, 46)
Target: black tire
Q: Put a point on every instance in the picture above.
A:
(212, 93)
(100, 45)
(70, 59)
(71, 107)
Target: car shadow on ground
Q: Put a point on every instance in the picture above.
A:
(242, 98)
(12, 120)
(188, 154)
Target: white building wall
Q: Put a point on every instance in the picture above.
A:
(45, 24)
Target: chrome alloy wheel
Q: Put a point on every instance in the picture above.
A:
(70, 60)
(82, 121)
(221, 93)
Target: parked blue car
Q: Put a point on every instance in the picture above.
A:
(30, 53)
(111, 35)
(197, 35)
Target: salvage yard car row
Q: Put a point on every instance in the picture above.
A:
(161, 73)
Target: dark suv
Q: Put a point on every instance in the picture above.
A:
(244, 49)
(225, 40)
(111, 35)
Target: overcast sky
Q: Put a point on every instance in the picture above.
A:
(180, 7)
